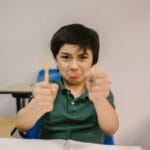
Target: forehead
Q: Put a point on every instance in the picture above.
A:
(74, 49)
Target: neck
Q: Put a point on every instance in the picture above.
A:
(76, 89)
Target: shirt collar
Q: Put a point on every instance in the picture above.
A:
(64, 90)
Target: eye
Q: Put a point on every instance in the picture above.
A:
(65, 57)
(83, 57)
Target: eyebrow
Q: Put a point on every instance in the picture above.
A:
(65, 53)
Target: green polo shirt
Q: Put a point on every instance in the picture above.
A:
(72, 118)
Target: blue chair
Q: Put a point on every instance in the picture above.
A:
(33, 133)
(109, 140)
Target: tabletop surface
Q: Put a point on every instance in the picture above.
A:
(24, 144)
(18, 88)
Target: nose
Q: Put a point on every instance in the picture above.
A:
(74, 64)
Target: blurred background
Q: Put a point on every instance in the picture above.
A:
(26, 27)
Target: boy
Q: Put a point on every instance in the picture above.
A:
(80, 105)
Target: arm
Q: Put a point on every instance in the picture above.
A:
(43, 101)
(107, 116)
(98, 86)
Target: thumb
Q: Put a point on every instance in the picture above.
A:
(54, 87)
(89, 79)
(92, 73)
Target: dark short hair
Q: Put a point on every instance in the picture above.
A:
(77, 34)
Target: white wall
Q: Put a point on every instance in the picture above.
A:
(26, 27)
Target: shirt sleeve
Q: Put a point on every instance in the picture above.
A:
(110, 98)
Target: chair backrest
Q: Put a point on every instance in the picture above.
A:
(33, 133)
(53, 75)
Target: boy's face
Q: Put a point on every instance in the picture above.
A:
(74, 63)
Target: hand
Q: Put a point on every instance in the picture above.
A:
(45, 92)
(44, 96)
(98, 84)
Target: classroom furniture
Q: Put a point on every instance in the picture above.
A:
(20, 92)
(7, 124)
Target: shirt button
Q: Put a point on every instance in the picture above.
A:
(72, 102)
(68, 93)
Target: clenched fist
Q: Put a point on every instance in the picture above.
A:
(44, 96)
(98, 84)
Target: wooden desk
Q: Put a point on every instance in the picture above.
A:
(7, 124)
(22, 144)
(20, 92)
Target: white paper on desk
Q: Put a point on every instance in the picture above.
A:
(74, 145)
(22, 144)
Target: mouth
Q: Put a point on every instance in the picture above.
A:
(74, 76)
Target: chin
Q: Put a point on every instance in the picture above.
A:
(75, 81)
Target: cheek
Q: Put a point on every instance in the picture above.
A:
(62, 67)
(60, 64)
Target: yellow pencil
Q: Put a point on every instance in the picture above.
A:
(46, 71)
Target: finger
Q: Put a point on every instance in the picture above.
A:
(45, 88)
(46, 71)
(90, 76)
(42, 84)
(43, 98)
(42, 105)
(93, 73)
(97, 72)
(101, 82)
(100, 89)
(42, 91)
(54, 88)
